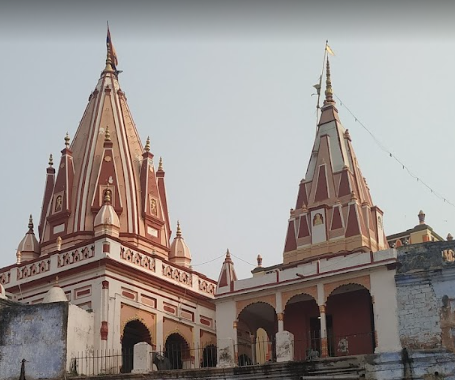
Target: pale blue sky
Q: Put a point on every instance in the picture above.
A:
(225, 94)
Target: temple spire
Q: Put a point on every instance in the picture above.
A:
(328, 85)
(111, 55)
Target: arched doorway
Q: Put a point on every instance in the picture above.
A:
(134, 332)
(350, 313)
(209, 356)
(177, 351)
(301, 318)
(256, 329)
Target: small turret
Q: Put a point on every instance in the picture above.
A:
(28, 248)
(107, 220)
(227, 276)
(180, 253)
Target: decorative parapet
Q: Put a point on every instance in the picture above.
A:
(177, 275)
(207, 287)
(5, 277)
(68, 258)
(33, 269)
(137, 259)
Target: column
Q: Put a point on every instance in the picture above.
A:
(280, 317)
(323, 322)
(235, 342)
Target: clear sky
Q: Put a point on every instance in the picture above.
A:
(224, 89)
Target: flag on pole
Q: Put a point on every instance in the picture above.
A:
(111, 49)
(329, 50)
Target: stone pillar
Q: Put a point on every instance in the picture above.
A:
(324, 346)
(280, 317)
(142, 359)
(104, 328)
(284, 346)
(235, 342)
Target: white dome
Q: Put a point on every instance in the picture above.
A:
(55, 294)
(107, 216)
(180, 253)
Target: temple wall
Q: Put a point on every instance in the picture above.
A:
(36, 333)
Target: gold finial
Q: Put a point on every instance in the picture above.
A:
(67, 140)
(107, 196)
(107, 135)
(30, 223)
(179, 231)
(160, 164)
(147, 144)
(111, 55)
(51, 160)
(328, 86)
(59, 243)
(56, 281)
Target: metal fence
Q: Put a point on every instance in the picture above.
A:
(180, 356)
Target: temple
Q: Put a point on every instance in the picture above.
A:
(337, 274)
(104, 240)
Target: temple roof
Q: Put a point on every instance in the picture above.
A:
(106, 153)
(334, 211)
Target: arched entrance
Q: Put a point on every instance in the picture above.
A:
(351, 329)
(301, 318)
(256, 329)
(177, 351)
(209, 356)
(134, 332)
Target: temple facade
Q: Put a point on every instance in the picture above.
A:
(334, 292)
(104, 239)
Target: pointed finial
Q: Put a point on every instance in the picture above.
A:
(30, 223)
(259, 260)
(67, 140)
(179, 231)
(328, 86)
(111, 56)
(51, 160)
(107, 196)
(421, 216)
(228, 254)
(107, 135)
(160, 164)
(147, 144)
(56, 281)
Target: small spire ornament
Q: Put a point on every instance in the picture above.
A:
(147, 144)
(107, 135)
(179, 231)
(160, 164)
(67, 140)
(51, 160)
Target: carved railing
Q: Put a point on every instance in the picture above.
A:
(177, 275)
(71, 257)
(207, 287)
(30, 270)
(137, 259)
(5, 278)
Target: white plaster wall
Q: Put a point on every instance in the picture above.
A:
(342, 262)
(384, 293)
(255, 281)
(226, 335)
(80, 334)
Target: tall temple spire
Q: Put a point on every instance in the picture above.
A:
(104, 155)
(334, 211)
